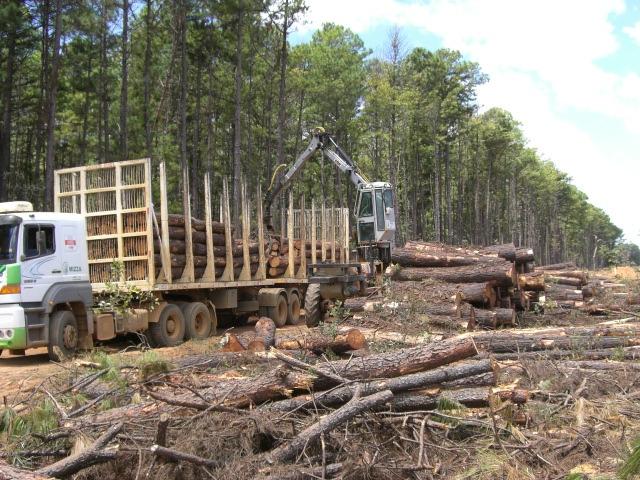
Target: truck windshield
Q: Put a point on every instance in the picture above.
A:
(8, 243)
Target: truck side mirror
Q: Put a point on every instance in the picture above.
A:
(41, 241)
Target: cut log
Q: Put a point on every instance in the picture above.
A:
(478, 294)
(501, 273)
(558, 266)
(578, 274)
(341, 395)
(415, 258)
(356, 405)
(352, 339)
(532, 281)
(282, 261)
(575, 282)
(95, 454)
(578, 338)
(561, 294)
(506, 251)
(231, 343)
(9, 472)
(176, 220)
(506, 317)
(266, 331)
(430, 399)
(524, 255)
(178, 233)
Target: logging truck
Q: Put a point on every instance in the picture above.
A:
(56, 267)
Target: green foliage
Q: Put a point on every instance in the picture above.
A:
(41, 419)
(339, 312)
(121, 297)
(631, 466)
(150, 364)
(410, 118)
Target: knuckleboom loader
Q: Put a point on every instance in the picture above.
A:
(374, 208)
(55, 265)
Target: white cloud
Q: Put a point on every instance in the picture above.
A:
(541, 57)
(633, 32)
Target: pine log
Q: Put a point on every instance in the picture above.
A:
(558, 266)
(532, 281)
(430, 399)
(201, 262)
(524, 255)
(560, 294)
(276, 272)
(575, 282)
(9, 472)
(478, 294)
(577, 338)
(282, 261)
(231, 343)
(441, 309)
(414, 258)
(179, 247)
(352, 339)
(176, 220)
(621, 353)
(266, 330)
(178, 233)
(577, 274)
(355, 406)
(500, 273)
(339, 396)
(506, 251)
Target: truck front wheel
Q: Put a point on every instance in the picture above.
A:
(169, 330)
(63, 336)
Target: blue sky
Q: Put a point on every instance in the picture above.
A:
(568, 70)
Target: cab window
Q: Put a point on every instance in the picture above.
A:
(379, 211)
(366, 205)
(39, 248)
(388, 198)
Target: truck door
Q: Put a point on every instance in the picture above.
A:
(366, 229)
(41, 267)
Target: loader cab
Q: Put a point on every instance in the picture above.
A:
(375, 223)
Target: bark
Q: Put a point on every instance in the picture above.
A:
(232, 343)
(96, 453)
(569, 338)
(554, 293)
(478, 294)
(576, 282)
(177, 456)
(506, 251)
(500, 273)
(182, 94)
(341, 395)
(411, 258)
(282, 85)
(104, 91)
(352, 339)
(356, 406)
(176, 220)
(9, 472)
(558, 266)
(51, 107)
(429, 400)
(532, 281)
(201, 262)
(178, 233)
(7, 111)
(148, 131)
(237, 121)
(124, 92)
(266, 331)
(577, 274)
(524, 255)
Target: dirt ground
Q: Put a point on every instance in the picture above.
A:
(578, 423)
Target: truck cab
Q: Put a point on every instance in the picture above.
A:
(376, 223)
(43, 274)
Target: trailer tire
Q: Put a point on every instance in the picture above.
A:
(197, 320)
(63, 336)
(280, 312)
(168, 331)
(293, 312)
(312, 305)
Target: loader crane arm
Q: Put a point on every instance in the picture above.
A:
(320, 141)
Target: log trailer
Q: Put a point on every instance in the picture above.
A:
(54, 266)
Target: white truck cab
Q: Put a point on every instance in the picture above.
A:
(44, 273)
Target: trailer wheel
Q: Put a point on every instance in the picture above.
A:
(293, 314)
(63, 336)
(197, 320)
(168, 331)
(312, 304)
(280, 312)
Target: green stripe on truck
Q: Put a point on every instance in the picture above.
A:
(17, 342)
(13, 274)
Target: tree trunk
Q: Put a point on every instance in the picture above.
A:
(7, 111)
(282, 86)
(352, 339)
(146, 75)
(237, 122)
(51, 110)
(124, 89)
